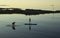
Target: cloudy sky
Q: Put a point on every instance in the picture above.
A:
(32, 4)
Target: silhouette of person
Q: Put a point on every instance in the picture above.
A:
(29, 19)
(13, 23)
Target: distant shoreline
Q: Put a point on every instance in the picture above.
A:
(26, 11)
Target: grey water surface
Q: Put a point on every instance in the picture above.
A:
(48, 26)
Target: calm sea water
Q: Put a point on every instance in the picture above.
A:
(48, 26)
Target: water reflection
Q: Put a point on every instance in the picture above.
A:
(30, 23)
(47, 27)
(29, 27)
(13, 25)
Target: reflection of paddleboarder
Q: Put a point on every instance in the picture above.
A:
(29, 27)
(13, 25)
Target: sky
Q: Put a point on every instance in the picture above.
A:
(31, 4)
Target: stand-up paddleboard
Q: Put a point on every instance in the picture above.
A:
(30, 24)
(10, 25)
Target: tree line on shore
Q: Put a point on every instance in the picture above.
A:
(26, 11)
